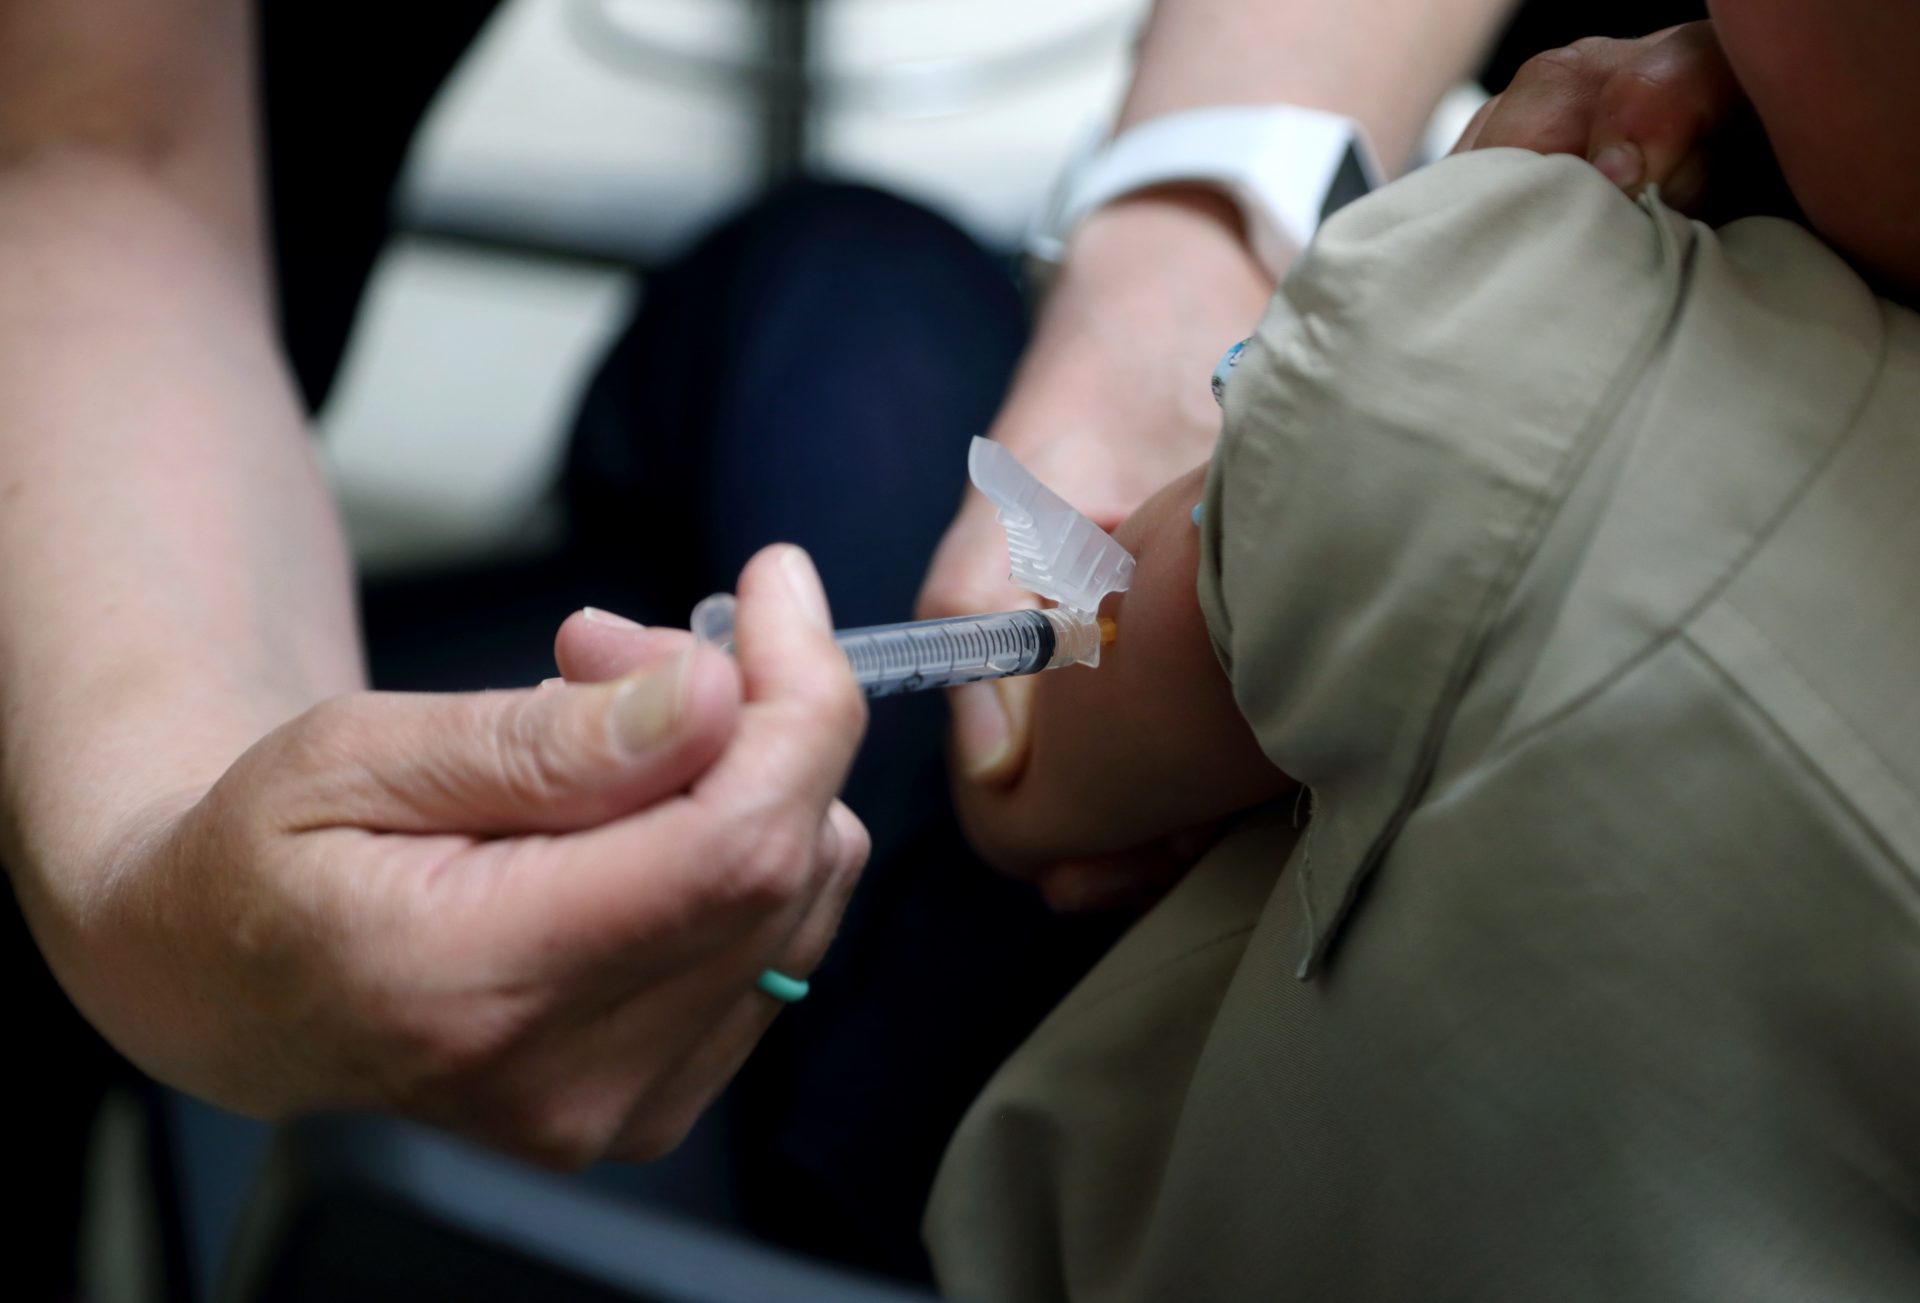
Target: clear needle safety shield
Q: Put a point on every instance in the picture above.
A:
(1056, 553)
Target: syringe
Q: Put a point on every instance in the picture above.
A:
(1053, 551)
(889, 659)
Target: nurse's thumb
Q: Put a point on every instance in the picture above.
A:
(539, 760)
(991, 730)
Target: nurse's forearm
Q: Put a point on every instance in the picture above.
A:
(172, 580)
(1383, 62)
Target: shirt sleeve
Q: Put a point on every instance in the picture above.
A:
(1415, 407)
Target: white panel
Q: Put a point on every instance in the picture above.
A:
(574, 121)
(450, 415)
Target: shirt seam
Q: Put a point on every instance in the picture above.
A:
(1498, 594)
(1717, 590)
(1869, 827)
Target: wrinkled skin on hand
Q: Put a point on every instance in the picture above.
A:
(533, 918)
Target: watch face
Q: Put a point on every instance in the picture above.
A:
(1349, 182)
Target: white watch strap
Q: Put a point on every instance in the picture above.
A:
(1285, 168)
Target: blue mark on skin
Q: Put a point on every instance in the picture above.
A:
(1197, 508)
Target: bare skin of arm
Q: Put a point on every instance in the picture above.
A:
(1148, 746)
(172, 579)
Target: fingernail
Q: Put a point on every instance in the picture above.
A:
(647, 707)
(990, 728)
(804, 580)
(982, 734)
(594, 615)
(547, 685)
(1620, 162)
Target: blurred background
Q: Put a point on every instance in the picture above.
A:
(579, 142)
(469, 205)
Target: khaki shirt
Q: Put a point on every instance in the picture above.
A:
(1566, 550)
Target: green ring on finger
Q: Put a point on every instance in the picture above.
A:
(787, 990)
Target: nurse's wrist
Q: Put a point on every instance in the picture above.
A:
(1192, 231)
(1154, 289)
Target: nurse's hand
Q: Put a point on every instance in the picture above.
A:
(534, 918)
(1112, 402)
(1661, 110)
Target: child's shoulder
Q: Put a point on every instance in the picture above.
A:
(1490, 215)
(1521, 270)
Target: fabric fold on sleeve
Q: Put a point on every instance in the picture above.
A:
(1420, 398)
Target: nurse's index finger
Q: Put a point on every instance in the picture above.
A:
(802, 703)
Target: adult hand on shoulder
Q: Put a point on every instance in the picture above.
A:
(534, 918)
(1111, 403)
(1661, 110)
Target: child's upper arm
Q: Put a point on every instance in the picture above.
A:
(1148, 744)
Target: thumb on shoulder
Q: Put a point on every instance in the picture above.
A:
(1658, 116)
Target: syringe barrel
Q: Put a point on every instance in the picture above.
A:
(892, 658)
